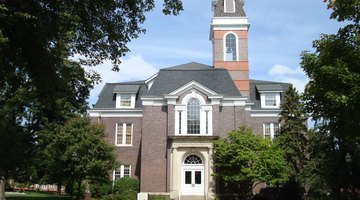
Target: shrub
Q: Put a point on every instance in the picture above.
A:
(100, 189)
(126, 188)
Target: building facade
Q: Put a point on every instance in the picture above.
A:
(164, 127)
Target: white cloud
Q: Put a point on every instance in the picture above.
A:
(295, 76)
(132, 68)
(299, 84)
(282, 70)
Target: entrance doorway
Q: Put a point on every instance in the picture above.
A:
(193, 175)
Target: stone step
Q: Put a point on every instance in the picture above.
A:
(188, 197)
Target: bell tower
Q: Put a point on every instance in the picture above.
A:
(229, 36)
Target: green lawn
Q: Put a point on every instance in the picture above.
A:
(34, 196)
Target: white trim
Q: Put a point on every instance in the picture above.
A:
(265, 113)
(196, 85)
(181, 109)
(118, 100)
(272, 129)
(195, 95)
(229, 23)
(150, 81)
(263, 99)
(122, 167)
(115, 113)
(236, 46)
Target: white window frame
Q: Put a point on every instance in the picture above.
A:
(272, 129)
(121, 172)
(225, 9)
(123, 133)
(263, 99)
(236, 46)
(181, 109)
(118, 100)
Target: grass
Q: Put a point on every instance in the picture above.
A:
(159, 197)
(34, 196)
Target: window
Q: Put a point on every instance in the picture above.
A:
(271, 130)
(230, 47)
(193, 117)
(125, 100)
(270, 99)
(122, 171)
(124, 132)
(229, 6)
(193, 159)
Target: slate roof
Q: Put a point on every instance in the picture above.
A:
(170, 79)
(126, 88)
(107, 97)
(259, 85)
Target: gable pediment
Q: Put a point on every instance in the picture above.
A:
(191, 86)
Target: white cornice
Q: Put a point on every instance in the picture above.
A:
(115, 113)
(265, 113)
(230, 23)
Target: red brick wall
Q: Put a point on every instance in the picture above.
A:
(126, 154)
(154, 150)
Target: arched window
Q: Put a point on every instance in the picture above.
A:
(193, 116)
(230, 47)
(192, 159)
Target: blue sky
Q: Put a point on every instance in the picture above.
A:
(280, 30)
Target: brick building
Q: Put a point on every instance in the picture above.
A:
(163, 127)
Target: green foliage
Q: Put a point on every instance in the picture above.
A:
(101, 188)
(293, 137)
(243, 159)
(124, 189)
(127, 187)
(39, 83)
(333, 98)
(75, 151)
(159, 197)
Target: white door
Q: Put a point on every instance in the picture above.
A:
(193, 180)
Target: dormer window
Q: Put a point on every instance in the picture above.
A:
(125, 100)
(126, 95)
(229, 6)
(270, 99)
(269, 95)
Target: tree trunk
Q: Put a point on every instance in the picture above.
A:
(2, 184)
(78, 196)
(59, 184)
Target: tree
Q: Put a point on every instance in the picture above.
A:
(244, 159)
(39, 84)
(333, 98)
(333, 92)
(23, 112)
(76, 151)
(293, 138)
